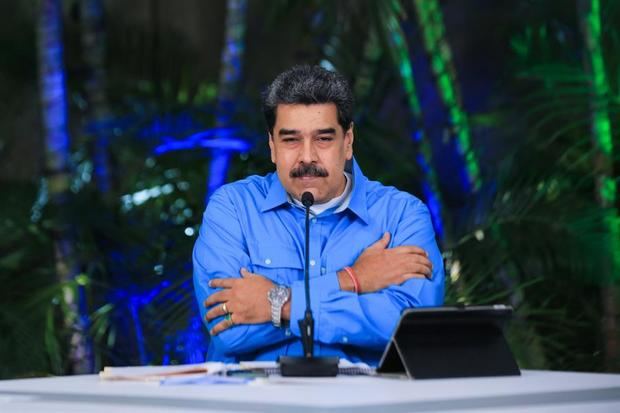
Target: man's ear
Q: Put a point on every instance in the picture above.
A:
(349, 137)
(272, 148)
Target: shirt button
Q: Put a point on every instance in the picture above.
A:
(287, 332)
(313, 220)
(268, 261)
(345, 339)
(312, 263)
(323, 270)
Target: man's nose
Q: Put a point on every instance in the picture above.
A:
(308, 152)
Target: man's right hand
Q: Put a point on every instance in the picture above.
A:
(379, 267)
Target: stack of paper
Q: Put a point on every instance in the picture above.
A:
(159, 373)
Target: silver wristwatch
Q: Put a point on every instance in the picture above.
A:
(278, 296)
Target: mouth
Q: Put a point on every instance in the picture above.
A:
(308, 181)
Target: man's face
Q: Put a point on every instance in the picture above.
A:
(310, 149)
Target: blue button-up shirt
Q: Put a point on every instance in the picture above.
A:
(251, 224)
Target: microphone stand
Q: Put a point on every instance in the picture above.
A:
(308, 365)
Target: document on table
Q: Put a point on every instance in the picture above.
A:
(213, 372)
(158, 373)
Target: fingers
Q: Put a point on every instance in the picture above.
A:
(409, 249)
(409, 259)
(422, 267)
(413, 266)
(218, 297)
(218, 311)
(406, 277)
(222, 325)
(226, 283)
(222, 282)
(382, 243)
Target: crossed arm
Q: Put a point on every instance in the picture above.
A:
(390, 279)
(377, 268)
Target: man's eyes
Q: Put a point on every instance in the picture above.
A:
(318, 138)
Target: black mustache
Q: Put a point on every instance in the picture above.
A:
(308, 170)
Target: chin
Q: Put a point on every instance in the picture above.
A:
(302, 187)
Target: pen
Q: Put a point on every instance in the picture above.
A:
(247, 373)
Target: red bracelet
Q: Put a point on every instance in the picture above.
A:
(356, 283)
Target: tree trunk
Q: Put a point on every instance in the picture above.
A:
(57, 167)
(230, 73)
(93, 50)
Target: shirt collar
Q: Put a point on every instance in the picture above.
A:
(358, 203)
(277, 196)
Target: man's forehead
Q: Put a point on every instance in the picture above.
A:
(297, 110)
(312, 117)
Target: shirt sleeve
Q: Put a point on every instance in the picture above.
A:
(367, 320)
(220, 252)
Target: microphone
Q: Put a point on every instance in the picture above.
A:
(307, 199)
(306, 326)
(308, 366)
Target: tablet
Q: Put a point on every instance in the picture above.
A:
(441, 342)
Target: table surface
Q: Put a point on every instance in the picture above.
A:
(534, 391)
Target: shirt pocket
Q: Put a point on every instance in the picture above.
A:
(280, 263)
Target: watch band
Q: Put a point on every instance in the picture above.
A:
(276, 314)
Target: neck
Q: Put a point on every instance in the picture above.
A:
(334, 202)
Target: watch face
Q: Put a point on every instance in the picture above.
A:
(278, 295)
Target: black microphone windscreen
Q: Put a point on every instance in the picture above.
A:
(307, 199)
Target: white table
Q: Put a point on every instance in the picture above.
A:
(534, 391)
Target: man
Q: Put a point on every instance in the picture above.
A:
(372, 248)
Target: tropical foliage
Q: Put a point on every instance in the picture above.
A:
(532, 233)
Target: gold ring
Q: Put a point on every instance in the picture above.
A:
(224, 308)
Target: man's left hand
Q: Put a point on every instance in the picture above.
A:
(245, 299)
